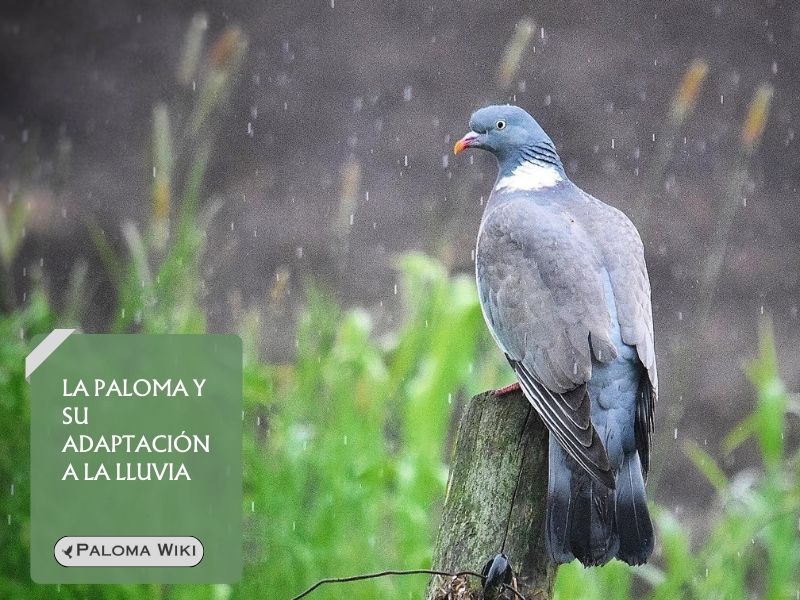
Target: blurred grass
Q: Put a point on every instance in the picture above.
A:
(346, 444)
(345, 451)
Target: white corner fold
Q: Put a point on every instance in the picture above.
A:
(45, 348)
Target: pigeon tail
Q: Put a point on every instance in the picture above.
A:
(633, 519)
(591, 522)
(580, 513)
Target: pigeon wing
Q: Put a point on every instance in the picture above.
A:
(623, 258)
(540, 289)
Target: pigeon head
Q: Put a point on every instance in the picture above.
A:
(511, 134)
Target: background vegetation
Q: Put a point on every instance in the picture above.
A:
(346, 444)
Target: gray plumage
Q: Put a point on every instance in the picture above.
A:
(564, 290)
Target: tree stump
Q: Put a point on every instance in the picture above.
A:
(495, 500)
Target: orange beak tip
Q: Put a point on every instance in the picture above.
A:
(464, 143)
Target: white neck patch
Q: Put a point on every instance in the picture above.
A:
(529, 176)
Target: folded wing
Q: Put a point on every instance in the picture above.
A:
(543, 299)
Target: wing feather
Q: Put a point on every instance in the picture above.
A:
(572, 428)
(623, 255)
(543, 316)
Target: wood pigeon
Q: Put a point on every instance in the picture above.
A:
(564, 290)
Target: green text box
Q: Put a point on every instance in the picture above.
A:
(199, 493)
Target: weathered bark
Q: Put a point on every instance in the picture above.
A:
(496, 492)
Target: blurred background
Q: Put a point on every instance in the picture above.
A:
(284, 170)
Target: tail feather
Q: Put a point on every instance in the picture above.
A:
(559, 506)
(591, 522)
(580, 517)
(635, 528)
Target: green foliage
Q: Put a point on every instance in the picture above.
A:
(348, 471)
(345, 462)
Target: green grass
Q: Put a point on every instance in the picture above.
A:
(344, 461)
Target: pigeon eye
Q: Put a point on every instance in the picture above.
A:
(501, 125)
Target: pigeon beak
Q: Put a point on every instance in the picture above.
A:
(468, 141)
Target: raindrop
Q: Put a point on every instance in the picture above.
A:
(351, 218)
(612, 143)
(250, 128)
(721, 99)
(395, 289)
(675, 434)
(405, 160)
(252, 506)
(345, 440)
(408, 93)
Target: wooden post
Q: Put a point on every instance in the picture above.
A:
(496, 491)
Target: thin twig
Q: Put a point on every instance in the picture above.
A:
(386, 573)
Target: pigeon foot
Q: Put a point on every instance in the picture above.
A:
(505, 391)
